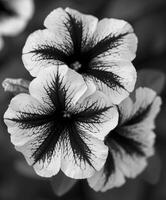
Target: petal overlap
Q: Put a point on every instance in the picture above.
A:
(48, 125)
(99, 50)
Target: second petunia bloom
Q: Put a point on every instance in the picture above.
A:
(99, 50)
(131, 142)
(61, 124)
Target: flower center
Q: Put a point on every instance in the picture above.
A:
(66, 114)
(76, 66)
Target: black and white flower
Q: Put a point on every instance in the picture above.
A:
(14, 15)
(61, 124)
(131, 142)
(99, 50)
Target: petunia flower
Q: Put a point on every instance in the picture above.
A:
(131, 142)
(61, 124)
(99, 50)
(14, 15)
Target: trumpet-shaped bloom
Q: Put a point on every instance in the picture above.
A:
(99, 50)
(14, 15)
(131, 142)
(61, 124)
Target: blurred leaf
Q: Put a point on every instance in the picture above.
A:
(16, 86)
(24, 169)
(150, 78)
(131, 190)
(152, 41)
(153, 171)
(131, 9)
(61, 184)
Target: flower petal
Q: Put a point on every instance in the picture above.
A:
(32, 134)
(96, 116)
(108, 177)
(71, 25)
(124, 166)
(115, 39)
(49, 165)
(131, 142)
(22, 105)
(44, 49)
(77, 167)
(145, 109)
(125, 110)
(115, 79)
(56, 79)
(88, 23)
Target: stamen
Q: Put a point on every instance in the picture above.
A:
(66, 114)
(76, 66)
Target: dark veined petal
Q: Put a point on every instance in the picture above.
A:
(94, 116)
(97, 115)
(72, 25)
(68, 33)
(131, 143)
(126, 158)
(108, 177)
(44, 49)
(34, 121)
(115, 79)
(47, 126)
(84, 155)
(19, 108)
(145, 108)
(53, 79)
(113, 39)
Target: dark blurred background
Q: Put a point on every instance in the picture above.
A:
(17, 180)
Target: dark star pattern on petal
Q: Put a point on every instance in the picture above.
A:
(75, 51)
(139, 116)
(119, 139)
(104, 45)
(58, 125)
(109, 167)
(99, 74)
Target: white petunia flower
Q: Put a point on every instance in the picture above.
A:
(99, 50)
(61, 124)
(14, 15)
(131, 142)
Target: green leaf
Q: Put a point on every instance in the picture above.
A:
(150, 78)
(61, 184)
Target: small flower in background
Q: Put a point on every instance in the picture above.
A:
(99, 50)
(14, 15)
(131, 142)
(61, 124)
